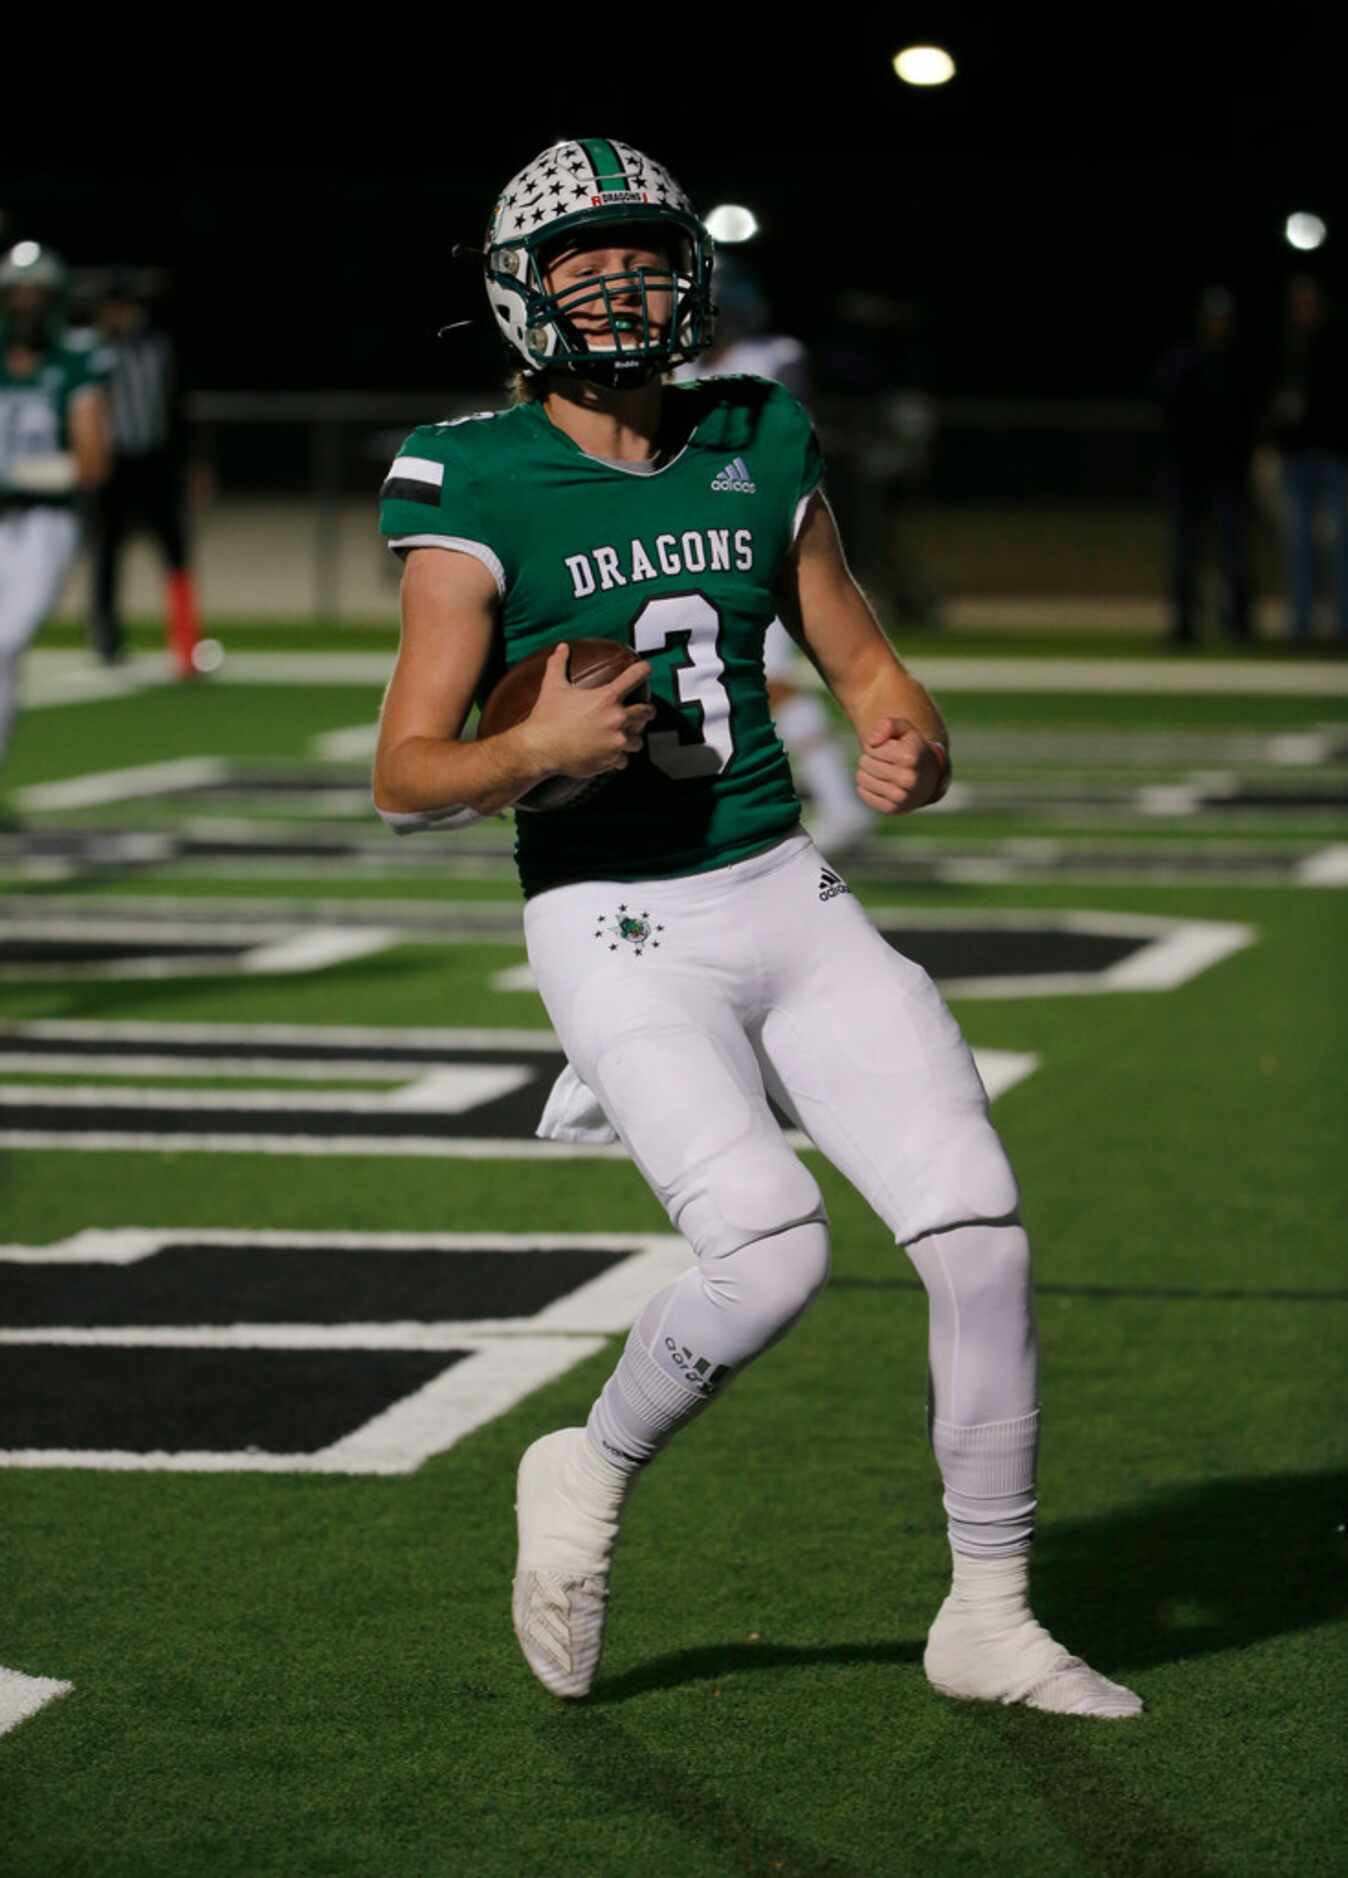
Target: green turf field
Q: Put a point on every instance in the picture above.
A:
(307, 1668)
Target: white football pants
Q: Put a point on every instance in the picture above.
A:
(37, 545)
(684, 1004)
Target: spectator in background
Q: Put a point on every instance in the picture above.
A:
(743, 342)
(878, 424)
(1310, 433)
(1211, 404)
(146, 486)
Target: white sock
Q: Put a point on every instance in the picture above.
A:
(698, 1333)
(642, 1405)
(995, 1591)
(988, 1472)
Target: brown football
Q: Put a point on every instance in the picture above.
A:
(591, 662)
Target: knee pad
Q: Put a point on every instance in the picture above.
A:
(753, 1191)
(709, 1146)
(964, 1176)
(978, 1180)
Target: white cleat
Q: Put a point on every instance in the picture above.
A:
(568, 1501)
(974, 1661)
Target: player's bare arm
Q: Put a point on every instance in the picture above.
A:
(90, 437)
(894, 717)
(423, 761)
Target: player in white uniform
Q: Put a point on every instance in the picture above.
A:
(691, 949)
(53, 445)
(741, 344)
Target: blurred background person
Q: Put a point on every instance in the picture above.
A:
(146, 486)
(878, 425)
(745, 344)
(744, 341)
(1211, 404)
(1310, 433)
(53, 446)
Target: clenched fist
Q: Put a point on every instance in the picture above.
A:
(899, 770)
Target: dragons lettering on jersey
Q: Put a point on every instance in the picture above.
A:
(693, 552)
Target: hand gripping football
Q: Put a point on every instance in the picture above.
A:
(591, 662)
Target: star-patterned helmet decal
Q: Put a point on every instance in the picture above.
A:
(569, 181)
(563, 178)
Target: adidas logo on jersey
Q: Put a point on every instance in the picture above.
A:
(736, 476)
(831, 885)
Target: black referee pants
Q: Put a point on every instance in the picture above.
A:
(142, 492)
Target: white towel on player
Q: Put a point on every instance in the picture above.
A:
(572, 1112)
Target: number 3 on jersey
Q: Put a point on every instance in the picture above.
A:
(692, 615)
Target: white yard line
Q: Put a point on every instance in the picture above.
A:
(1286, 678)
(350, 744)
(450, 1089)
(127, 1245)
(122, 785)
(258, 1068)
(1303, 749)
(22, 1696)
(413, 1147)
(318, 1036)
(1000, 1069)
(237, 949)
(1178, 956)
(52, 677)
(315, 951)
(1327, 868)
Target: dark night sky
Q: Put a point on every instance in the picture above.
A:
(1053, 212)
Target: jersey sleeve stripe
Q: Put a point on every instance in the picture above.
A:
(458, 545)
(801, 507)
(405, 489)
(418, 469)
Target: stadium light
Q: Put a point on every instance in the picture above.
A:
(924, 65)
(731, 223)
(1305, 231)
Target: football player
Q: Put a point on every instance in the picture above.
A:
(694, 953)
(53, 446)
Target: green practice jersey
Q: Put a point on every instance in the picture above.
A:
(680, 564)
(35, 415)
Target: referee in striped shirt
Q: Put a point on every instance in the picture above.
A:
(145, 488)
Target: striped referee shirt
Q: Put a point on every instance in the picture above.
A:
(140, 392)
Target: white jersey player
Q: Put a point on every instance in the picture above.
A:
(741, 347)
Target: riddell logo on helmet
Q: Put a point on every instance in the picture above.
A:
(618, 195)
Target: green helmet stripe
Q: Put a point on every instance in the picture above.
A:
(609, 172)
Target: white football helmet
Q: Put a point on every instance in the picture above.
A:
(574, 187)
(33, 283)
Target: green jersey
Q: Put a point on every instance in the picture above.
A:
(35, 417)
(680, 563)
